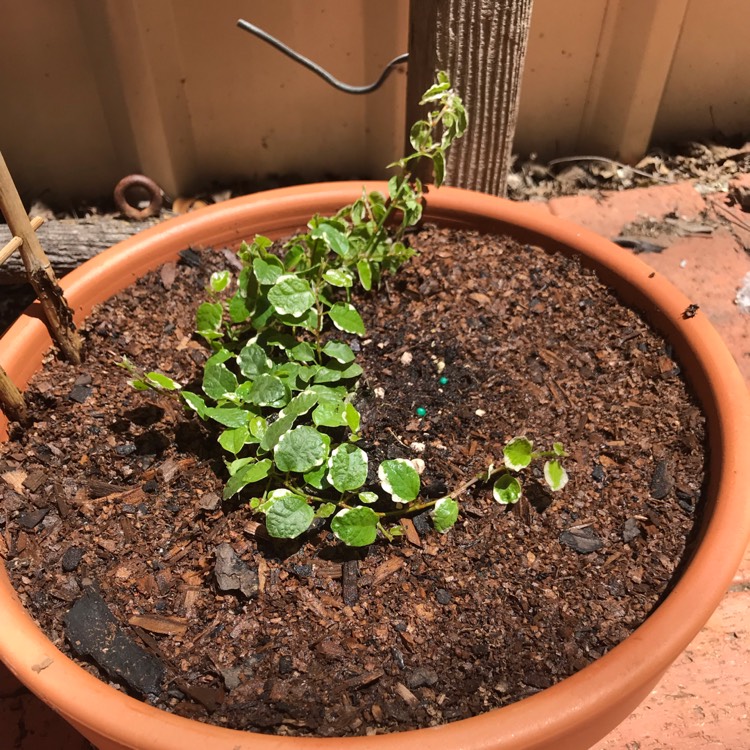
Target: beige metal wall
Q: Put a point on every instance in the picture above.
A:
(92, 90)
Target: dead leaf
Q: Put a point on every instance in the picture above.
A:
(160, 624)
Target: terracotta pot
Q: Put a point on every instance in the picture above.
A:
(576, 712)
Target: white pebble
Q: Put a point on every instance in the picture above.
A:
(683, 264)
(379, 392)
(406, 358)
(480, 412)
(440, 366)
(417, 464)
(417, 447)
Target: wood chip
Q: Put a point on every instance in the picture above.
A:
(349, 589)
(386, 569)
(15, 479)
(408, 697)
(160, 624)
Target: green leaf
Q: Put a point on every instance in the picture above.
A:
(301, 449)
(291, 295)
(219, 280)
(559, 449)
(228, 416)
(555, 475)
(162, 381)
(257, 426)
(367, 497)
(195, 402)
(355, 527)
(267, 271)
(217, 378)
(302, 352)
(347, 467)
(517, 453)
(507, 490)
(208, 317)
(346, 318)
(444, 514)
(330, 413)
(253, 361)
(399, 479)
(300, 404)
(268, 390)
(438, 168)
(234, 440)
(339, 351)
(333, 238)
(317, 477)
(275, 430)
(289, 516)
(364, 270)
(238, 309)
(339, 277)
(247, 475)
(351, 415)
(327, 375)
(325, 511)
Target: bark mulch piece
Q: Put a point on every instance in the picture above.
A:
(117, 496)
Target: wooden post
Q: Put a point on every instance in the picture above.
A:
(38, 270)
(482, 46)
(11, 399)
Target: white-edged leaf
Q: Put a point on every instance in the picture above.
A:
(252, 472)
(346, 318)
(347, 467)
(301, 449)
(355, 527)
(399, 479)
(506, 490)
(291, 295)
(444, 514)
(555, 475)
(517, 453)
(289, 516)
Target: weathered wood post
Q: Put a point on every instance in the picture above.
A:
(482, 46)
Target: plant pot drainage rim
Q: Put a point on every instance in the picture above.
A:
(573, 713)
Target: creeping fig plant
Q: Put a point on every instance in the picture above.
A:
(282, 378)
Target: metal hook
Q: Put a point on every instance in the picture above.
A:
(315, 68)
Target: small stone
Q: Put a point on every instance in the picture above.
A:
(480, 412)
(422, 676)
(302, 571)
(598, 473)
(232, 574)
(406, 358)
(71, 559)
(417, 447)
(379, 392)
(209, 501)
(126, 449)
(630, 530)
(583, 540)
(443, 596)
(422, 523)
(661, 481)
(79, 393)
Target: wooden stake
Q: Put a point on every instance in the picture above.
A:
(482, 46)
(38, 270)
(11, 399)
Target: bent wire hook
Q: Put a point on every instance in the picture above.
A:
(315, 68)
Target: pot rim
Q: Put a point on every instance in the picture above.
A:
(573, 708)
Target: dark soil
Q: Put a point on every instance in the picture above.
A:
(115, 494)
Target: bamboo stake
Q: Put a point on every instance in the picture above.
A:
(16, 242)
(38, 269)
(11, 399)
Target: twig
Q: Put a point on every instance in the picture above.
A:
(606, 160)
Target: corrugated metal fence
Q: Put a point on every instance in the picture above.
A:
(92, 90)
